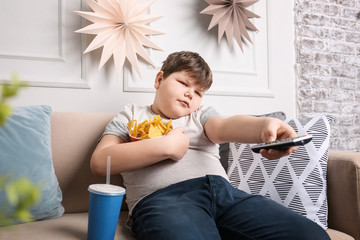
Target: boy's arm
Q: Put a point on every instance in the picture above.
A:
(248, 129)
(239, 128)
(134, 155)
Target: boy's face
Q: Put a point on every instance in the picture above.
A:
(177, 95)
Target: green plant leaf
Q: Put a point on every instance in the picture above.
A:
(8, 90)
(23, 215)
(22, 193)
(5, 112)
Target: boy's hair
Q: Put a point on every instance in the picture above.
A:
(191, 63)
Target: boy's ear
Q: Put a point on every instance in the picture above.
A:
(159, 78)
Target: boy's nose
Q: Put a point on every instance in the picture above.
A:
(188, 95)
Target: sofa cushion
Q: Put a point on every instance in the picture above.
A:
(74, 136)
(297, 181)
(71, 226)
(25, 151)
(343, 181)
(337, 235)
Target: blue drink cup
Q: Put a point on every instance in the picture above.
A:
(104, 209)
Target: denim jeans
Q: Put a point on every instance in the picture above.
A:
(211, 208)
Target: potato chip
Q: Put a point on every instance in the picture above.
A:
(153, 128)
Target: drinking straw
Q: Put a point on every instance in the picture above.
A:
(108, 169)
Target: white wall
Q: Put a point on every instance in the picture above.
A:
(43, 49)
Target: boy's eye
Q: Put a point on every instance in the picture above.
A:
(198, 93)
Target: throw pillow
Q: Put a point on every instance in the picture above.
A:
(297, 181)
(25, 150)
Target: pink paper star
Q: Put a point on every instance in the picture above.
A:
(122, 28)
(232, 18)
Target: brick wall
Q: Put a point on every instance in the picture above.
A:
(328, 66)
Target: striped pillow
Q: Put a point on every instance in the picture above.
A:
(297, 181)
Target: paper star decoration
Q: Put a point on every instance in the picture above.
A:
(232, 18)
(122, 28)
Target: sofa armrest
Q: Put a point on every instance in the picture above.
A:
(343, 179)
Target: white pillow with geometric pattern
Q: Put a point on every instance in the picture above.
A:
(297, 181)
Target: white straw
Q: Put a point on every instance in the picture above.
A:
(108, 169)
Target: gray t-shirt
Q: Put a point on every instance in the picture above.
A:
(201, 159)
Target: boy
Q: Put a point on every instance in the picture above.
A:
(176, 186)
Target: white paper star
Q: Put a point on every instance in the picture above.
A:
(232, 18)
(122, 28)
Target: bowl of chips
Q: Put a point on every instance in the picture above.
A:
(152, 128)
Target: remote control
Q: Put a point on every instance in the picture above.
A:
(282, 143)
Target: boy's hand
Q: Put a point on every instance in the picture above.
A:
(276, 129)
(273, 154)
(177, 143)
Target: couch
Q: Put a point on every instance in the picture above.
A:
(73, 139)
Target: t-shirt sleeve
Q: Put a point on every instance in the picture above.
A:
(118, 125)
(207, 113)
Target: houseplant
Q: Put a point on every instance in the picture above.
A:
(20, 193)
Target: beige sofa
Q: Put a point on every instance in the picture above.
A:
(74, 138)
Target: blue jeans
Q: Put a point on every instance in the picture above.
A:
(211, 208)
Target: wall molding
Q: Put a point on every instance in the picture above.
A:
(62, 67)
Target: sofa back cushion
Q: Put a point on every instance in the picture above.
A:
(74, 137)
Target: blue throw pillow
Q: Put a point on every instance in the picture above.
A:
(25, 151)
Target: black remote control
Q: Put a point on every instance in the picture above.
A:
(282, 143)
